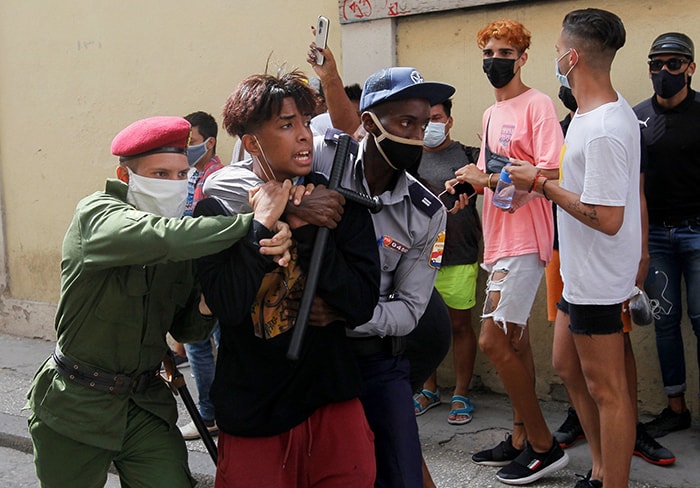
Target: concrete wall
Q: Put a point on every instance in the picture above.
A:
(76, 72)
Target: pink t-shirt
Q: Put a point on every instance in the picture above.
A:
(526, 128)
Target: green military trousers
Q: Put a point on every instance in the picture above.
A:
(152, 455)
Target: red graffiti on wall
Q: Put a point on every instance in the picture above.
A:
(360, 9)
(394, 9)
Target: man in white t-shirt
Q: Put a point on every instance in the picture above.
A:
(599, 239)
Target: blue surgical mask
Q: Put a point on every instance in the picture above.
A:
(196, 152)
(563, 79)
(434, 134)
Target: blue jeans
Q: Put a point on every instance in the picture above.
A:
(675, 254)
(201, 358)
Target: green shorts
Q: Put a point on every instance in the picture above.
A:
(457, 285)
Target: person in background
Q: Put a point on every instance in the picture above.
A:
(202, 158)
(322, 122)
(670, 119)
(456, 279)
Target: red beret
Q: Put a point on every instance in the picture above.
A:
(152, 135)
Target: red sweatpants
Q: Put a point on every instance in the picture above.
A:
(334, 448)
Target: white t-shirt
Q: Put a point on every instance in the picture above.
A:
(601, 163)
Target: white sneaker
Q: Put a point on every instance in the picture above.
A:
(189, 431)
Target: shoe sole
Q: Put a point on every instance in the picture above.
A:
(555, 466)
(564, 445)
(425, 409)
(196, 436)
(498, 464)
(657, 462)
(460, 422)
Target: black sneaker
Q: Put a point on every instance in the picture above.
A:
(651, 451)
(587, 482)
(500, 455)
(530, 466)
(570, 431)
(668, 421)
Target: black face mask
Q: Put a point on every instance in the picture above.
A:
(567, 98)
(398, 152)
(666, 84)
(499, 71)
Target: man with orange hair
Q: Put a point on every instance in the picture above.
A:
(522, 125)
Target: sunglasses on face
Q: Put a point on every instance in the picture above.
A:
(672, 64)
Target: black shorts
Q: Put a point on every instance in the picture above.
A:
(592, 319)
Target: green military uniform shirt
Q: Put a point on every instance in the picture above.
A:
(126, 280)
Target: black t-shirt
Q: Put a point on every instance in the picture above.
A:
(671, 140)
(463, 229)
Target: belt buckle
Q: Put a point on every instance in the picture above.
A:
(142, 381)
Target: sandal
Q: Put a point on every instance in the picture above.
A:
(466, 411)
(432, 397)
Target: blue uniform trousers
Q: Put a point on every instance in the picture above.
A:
(388, 404)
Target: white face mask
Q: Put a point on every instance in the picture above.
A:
(165, 198)
(434, 134)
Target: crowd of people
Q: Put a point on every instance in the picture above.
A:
(356, 214)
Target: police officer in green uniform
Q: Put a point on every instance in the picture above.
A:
(127, 280)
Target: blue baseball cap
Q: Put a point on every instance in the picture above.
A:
(399, 84)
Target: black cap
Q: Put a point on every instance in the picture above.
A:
(673, 43)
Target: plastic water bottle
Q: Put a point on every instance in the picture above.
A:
(505, 190)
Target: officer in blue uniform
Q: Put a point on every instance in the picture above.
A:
(395, 108)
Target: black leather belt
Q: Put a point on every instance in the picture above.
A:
(365, 346)
(100, 380)
(671, 222)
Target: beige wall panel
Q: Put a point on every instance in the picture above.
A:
(74, 73)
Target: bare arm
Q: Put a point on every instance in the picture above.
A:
(342, 111)
(644, 263)
(605, 219)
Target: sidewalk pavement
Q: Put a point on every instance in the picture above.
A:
(447, 448)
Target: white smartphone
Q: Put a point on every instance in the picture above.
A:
(321, 36)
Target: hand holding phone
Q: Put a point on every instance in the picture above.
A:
(321, 37)
(451, 201)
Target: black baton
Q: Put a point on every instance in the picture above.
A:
(178, 380)
(374, 204)
(342, 151)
